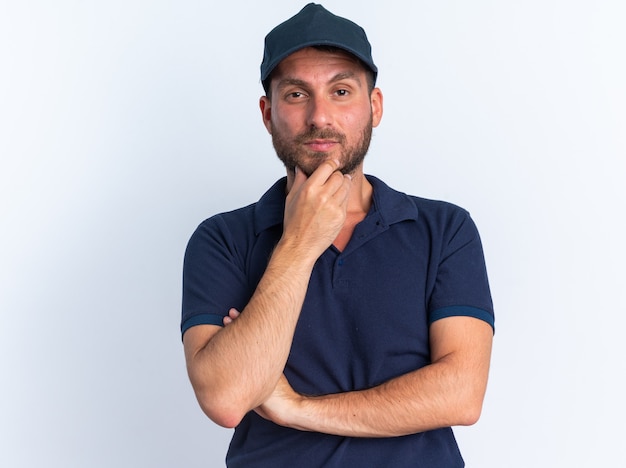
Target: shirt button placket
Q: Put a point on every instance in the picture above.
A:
(338, 273)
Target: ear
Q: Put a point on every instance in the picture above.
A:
(376, 100)
(266, 112)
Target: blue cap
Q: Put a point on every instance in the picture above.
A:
(315, 26)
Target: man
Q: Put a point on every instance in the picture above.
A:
(335, 322)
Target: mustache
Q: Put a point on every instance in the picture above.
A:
(319, 134)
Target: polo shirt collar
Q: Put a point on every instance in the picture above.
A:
(390, 205)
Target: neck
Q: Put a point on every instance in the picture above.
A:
(359, 203)
(360, 198)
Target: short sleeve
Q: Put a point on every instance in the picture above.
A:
(214, 278)
(461, 285)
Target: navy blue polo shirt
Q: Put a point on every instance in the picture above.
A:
(365, 317)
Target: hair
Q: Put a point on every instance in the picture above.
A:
(369, 73)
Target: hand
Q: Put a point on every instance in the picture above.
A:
(281, 404)
(315, 209)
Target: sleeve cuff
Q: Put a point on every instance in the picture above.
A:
(201, 319)
(462, 311)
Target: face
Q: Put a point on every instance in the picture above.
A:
(320, 109)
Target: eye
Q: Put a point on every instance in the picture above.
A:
(342, 92)
(295, 96)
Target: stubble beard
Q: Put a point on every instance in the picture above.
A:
(292, 154)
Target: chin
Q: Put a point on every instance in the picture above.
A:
(313, 164)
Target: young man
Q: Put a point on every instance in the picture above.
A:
(335, 322)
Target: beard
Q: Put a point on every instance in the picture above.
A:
(292, 152)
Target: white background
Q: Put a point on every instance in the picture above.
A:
(123, 124)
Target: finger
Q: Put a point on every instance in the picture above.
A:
(342, 191)
(231, 317)
(338, 185)
(324, 171)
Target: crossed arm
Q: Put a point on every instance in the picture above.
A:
(239, 368)
(448, 392)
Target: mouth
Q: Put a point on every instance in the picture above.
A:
(320, 140)
(321, 146)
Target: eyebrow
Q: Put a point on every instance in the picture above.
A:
(349, 75)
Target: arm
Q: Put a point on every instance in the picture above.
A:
(235, 369)
(448, 392)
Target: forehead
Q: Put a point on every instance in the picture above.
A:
(311, 60)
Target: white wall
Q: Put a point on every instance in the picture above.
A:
(123, 124)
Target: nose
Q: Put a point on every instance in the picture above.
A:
(319, 113)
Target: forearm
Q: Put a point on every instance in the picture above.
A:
(239, 366)
(235, 369)
(448, 392)
(422, 400)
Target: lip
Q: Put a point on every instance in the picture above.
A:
(321, 145)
